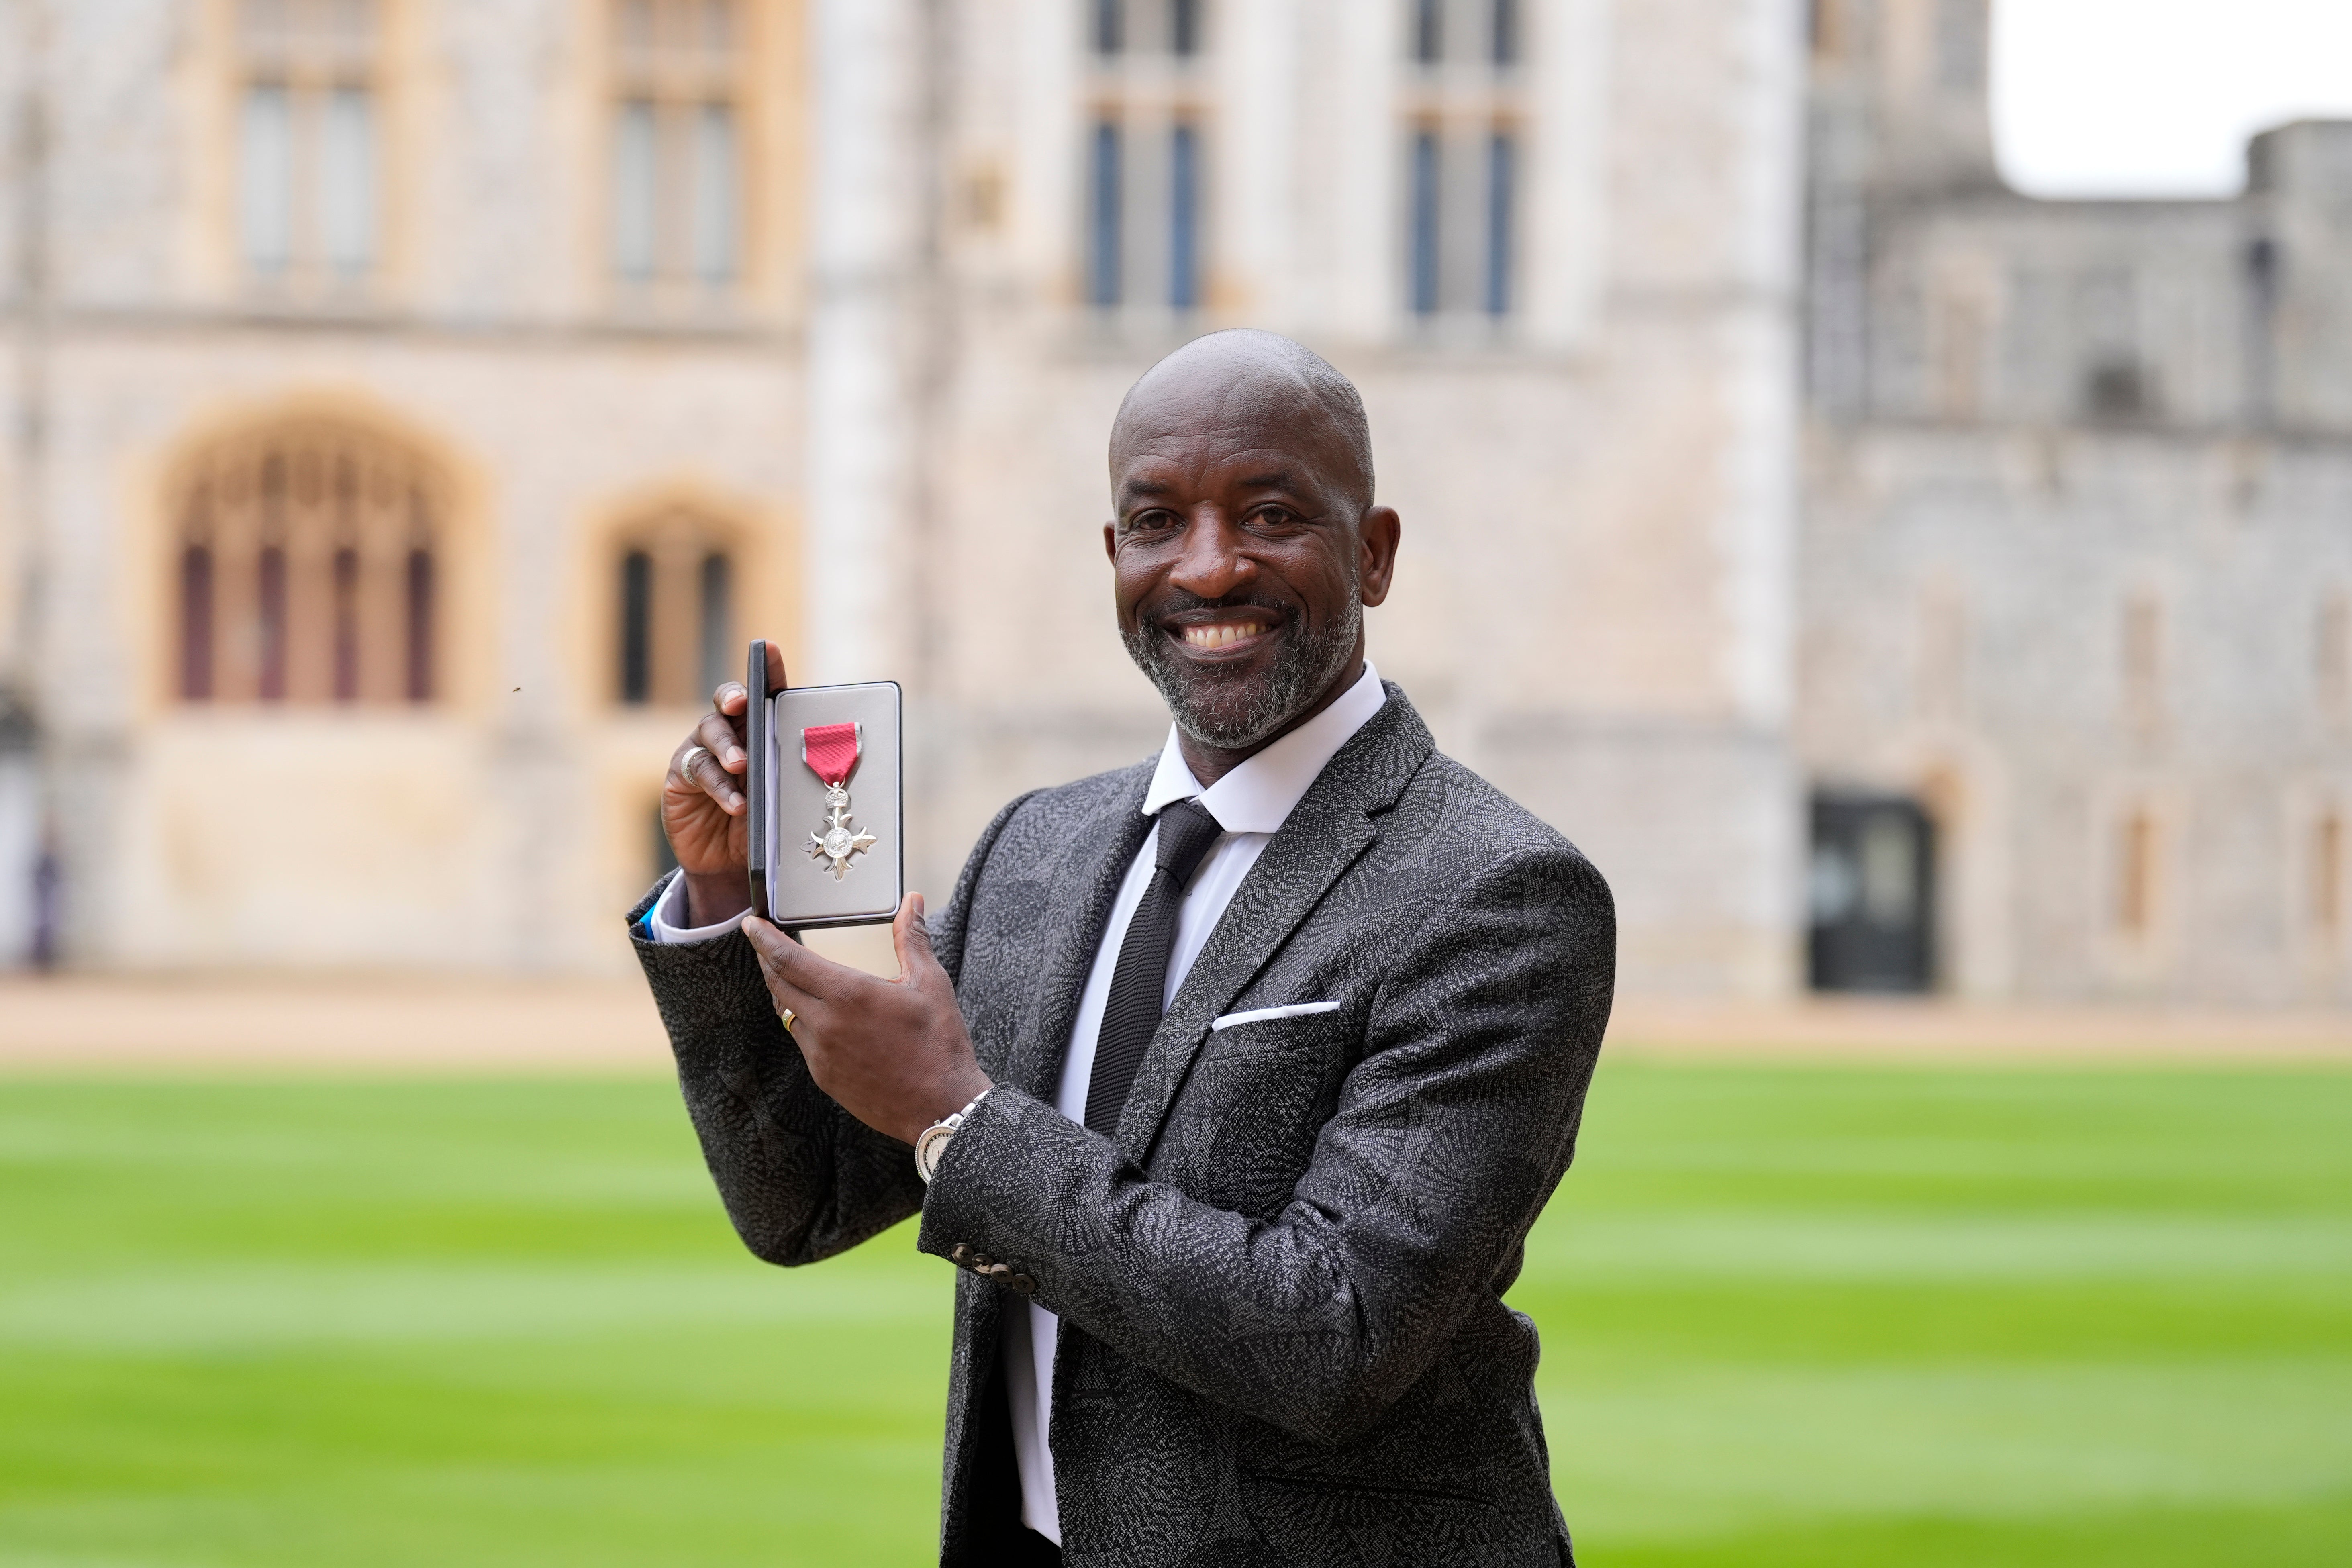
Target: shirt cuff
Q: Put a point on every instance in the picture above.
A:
(665, 922)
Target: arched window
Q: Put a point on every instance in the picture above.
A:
(2328, 873)
(2136, 888)
(673, 634)
(306, 571)
(2143, 659)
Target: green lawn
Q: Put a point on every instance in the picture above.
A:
(1792, 1316)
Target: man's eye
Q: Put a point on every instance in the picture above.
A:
(1151, 522)
(1273, 517)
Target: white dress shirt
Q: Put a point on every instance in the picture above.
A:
(1251, 804)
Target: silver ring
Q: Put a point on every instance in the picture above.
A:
(685, 762)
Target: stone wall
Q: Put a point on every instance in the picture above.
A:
(2076, 478)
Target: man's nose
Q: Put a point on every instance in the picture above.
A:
(1212, 564)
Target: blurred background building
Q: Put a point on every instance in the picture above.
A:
(1894, 583)
(404, 404)
(2076, 672)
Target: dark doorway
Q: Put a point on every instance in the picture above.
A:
(1872, 887)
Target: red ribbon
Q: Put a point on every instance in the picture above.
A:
(830, 751)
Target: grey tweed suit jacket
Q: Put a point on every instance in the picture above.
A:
(1280, 1284)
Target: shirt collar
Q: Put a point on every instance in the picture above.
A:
(1258, 795)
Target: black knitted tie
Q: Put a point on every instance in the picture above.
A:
(1139, 986)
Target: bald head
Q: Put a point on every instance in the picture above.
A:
(1251, 377)
(1244, 546)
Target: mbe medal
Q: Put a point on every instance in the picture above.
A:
(831, 752)
(851, 872)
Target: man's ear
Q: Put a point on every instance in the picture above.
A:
(1110, 541)
(1376, 550)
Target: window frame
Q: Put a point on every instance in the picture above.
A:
(1146, 164)
(671, 638)
(676, 85)
(307, 562)
(320, 74)
(1463, 177)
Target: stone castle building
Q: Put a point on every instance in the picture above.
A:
(2076, 567)
(399, 396)
(413, 407)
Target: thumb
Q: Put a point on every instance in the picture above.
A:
(912, 939)
(767, 941)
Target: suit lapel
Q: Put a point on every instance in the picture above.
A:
(1329, 829)
(1100, 850)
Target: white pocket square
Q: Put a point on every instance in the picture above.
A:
(1260, 1014)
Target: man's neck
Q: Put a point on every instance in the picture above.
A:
(1208, 764)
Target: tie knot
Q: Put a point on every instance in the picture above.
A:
(1186, 831)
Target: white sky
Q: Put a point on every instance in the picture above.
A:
(2100, 98)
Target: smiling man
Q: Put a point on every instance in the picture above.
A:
(1233, 1079)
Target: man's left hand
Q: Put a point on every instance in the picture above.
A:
(892, 1053)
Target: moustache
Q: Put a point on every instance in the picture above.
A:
(1182, 601)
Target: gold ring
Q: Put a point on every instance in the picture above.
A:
(788, 1016)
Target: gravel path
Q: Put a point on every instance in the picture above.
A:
(389, 1024)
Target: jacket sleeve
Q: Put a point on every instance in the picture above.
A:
(800, 1177)
(1449, 1135)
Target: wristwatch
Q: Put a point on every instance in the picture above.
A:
(931, 1143)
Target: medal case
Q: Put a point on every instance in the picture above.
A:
(817, 858)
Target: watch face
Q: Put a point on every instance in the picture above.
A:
(928, 1148)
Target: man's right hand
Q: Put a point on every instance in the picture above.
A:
(704, 812)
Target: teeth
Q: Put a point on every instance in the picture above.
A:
(1218, 634)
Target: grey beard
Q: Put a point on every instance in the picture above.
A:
(1305, 665)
